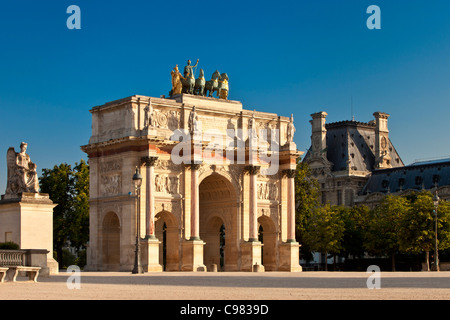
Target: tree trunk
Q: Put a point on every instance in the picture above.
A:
(427, 259)
(326, 261)
(393, 261)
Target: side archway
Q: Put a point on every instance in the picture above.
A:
(166, 229)
(111, 242)
(268, 237)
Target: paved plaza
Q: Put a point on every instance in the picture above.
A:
(233, 286)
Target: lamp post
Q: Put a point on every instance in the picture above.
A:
(436, 204)
(137, 180)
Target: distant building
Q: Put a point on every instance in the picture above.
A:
(356, 163)
(425, 175)
(344, 154)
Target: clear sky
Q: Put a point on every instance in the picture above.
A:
(285, 57)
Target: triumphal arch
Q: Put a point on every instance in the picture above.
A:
(217, 188)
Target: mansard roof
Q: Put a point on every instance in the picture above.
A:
(417, 176)
(355, 142)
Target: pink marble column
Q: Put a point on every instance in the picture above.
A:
(253, 203)
(149, 198)
(195, 203)
(290, 174)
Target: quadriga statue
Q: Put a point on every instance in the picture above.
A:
(22, 174)
(187, 83)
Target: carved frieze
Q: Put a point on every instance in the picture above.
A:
(268, 212)
(111, 166)
(167, 165)
(166, 119)
(166, 184)
(267, 191)
(111, 184)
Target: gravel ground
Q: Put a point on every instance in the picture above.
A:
(232, 286)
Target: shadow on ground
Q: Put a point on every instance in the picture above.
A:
(243, 281)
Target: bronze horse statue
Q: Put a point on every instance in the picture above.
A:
(199, 87)
(212, 85)
(188, 84)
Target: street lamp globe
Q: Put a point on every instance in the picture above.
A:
(137, 178)
(436, 200)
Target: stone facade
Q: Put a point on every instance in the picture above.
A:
(218, 207)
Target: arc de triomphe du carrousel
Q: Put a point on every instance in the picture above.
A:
(217, 189)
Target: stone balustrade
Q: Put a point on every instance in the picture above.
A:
(25, 258)
(9, 258)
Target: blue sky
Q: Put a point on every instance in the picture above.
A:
(285, 57)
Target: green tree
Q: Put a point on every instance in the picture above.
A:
(307, 200)
(80, 227)
(324, 231)
(355, 221)
(418, 226)
(69, 189)
(384, 227)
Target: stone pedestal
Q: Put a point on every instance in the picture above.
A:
(251, 256)
(150, 255)
(193, 256)
(28, 221)
(289, 257)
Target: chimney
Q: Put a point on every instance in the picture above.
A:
(319, 134)
(382, 154)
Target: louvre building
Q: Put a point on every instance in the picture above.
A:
(356, 163)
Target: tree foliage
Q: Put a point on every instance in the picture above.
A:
(307, 199)
(69, 189)
(384, 227)
(324, 230)
(398, 224)
(355, 220)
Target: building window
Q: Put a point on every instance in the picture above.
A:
(436, 179)
(324, 197)
(339, 197)
(8, 236)
(418, 180)
(349, 201)
(401, 183)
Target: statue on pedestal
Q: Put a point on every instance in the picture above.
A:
(22, 174)
(193, 122)
(290, 130)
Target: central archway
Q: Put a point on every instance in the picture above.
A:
(218, 223)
